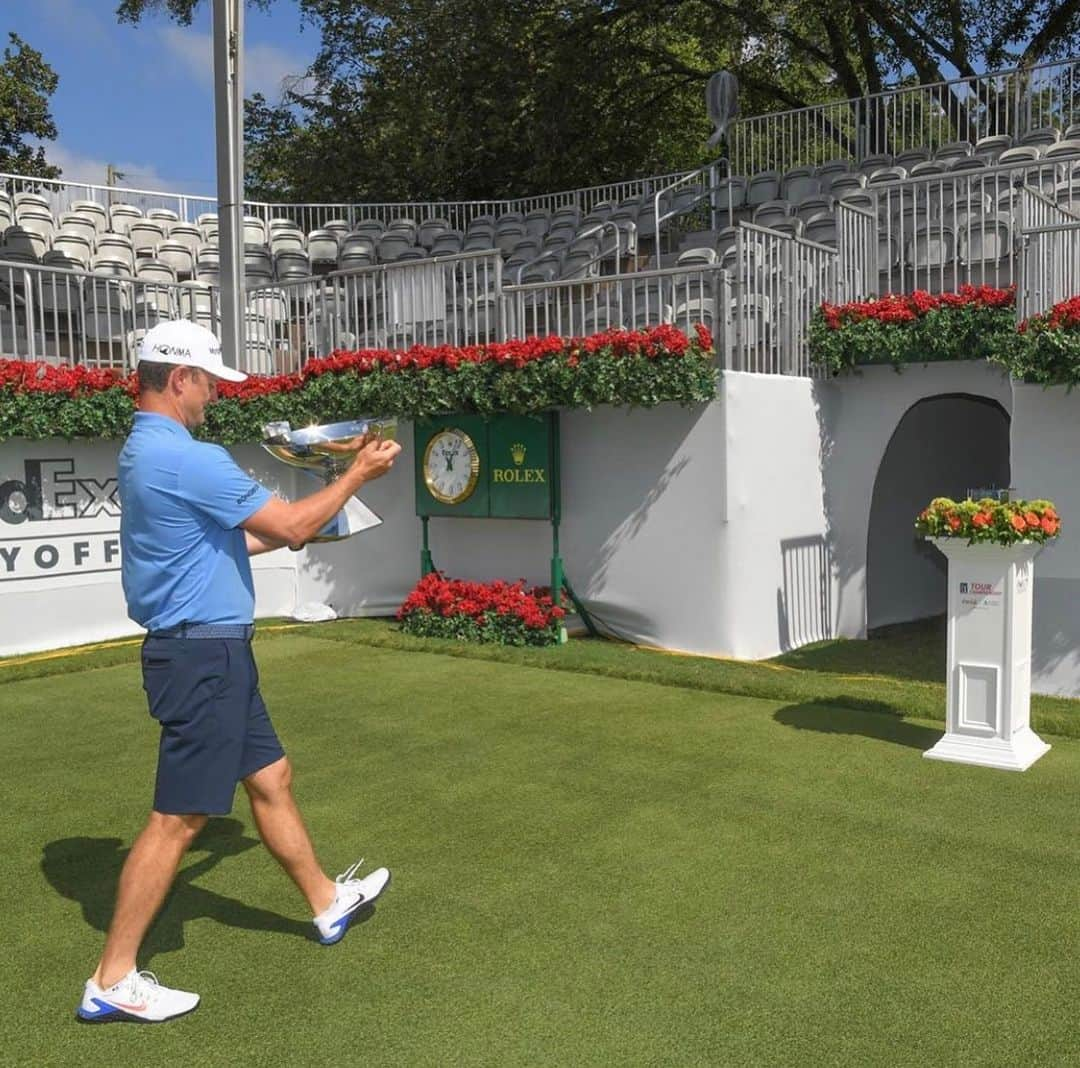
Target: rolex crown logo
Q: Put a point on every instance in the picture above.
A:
(517, 452)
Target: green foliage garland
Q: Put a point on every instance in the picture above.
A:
(576, 374)
(918, 328)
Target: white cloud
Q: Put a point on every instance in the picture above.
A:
(76, 20)
(266, 66)
(78, 167)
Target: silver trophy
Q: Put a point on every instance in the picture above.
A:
(324, 452)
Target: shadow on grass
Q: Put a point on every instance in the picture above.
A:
(913, 651)
(881, 722)
(87, 870)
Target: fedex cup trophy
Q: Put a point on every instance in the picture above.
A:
(324, 452)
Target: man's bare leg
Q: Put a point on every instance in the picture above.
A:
(144, 881)
(282, 830)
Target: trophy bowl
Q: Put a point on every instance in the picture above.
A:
(324, 448)
(327, 451)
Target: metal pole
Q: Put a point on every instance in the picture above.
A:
(427, 565)
(229, 126)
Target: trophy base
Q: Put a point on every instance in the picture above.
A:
(352, 519)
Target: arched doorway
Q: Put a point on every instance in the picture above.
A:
(942, 447)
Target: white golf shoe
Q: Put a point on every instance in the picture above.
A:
(137, 998)
(352, 895)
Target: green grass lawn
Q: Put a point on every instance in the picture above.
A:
(614, 862)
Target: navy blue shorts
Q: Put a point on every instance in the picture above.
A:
(215, 729)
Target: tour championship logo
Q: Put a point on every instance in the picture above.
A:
(57, 520)
(980, 595)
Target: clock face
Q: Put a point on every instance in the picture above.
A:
(451, 466)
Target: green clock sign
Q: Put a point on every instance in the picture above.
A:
(505, 467)
(502, 468)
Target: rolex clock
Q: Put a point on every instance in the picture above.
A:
(499, 468)
(451, 465)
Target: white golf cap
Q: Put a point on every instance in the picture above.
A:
(187, 344)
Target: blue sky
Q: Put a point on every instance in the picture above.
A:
(142, 97)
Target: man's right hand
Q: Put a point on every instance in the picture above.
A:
(373, 459)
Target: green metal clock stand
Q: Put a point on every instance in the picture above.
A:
(505, 467)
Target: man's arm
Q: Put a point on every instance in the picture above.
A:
(256, 545)
(280, 522)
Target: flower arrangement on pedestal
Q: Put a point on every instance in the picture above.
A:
(506, 613)
(989, 521)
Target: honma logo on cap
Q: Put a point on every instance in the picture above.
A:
(173, 350)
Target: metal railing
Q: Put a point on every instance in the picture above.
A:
(856, 245)
(1049, 268)
(941, 231)
(1011, 101)
(668, 203)
(443, 300)
(611, 253)
(780, 281)
(1049, 254)
(758, 316)
(1038, 210)
(62, 194)
(683, 296)
(61, 315)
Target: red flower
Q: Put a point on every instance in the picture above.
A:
(659, 342)
(896, 310)
(953, 520)
(1018, 523)
(981, 520)
(438, 595)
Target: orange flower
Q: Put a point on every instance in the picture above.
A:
(953, 521)
(1031, 519)
(981, 519)
(1049, 525)
(1019, 523)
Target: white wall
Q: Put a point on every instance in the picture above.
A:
(641, 536)
(1046, 448)
(781, 587)
(737, 528)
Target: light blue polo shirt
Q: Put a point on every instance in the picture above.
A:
(183, 555)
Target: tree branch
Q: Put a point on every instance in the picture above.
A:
(1055, 26)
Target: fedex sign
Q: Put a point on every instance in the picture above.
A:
(57, 519)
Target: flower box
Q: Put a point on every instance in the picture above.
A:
(620, 367)
(913, 328)
(506, 613)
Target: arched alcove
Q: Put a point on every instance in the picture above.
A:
(943, 446)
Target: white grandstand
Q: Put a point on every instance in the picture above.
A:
(809, 214)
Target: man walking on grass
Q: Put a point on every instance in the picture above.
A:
(190, 520)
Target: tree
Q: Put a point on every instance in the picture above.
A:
(26, 83)
(460, 99)
(463, 99)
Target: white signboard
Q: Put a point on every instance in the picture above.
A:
(60, 544)
(59, 515)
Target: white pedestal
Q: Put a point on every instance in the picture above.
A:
(989, 657)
